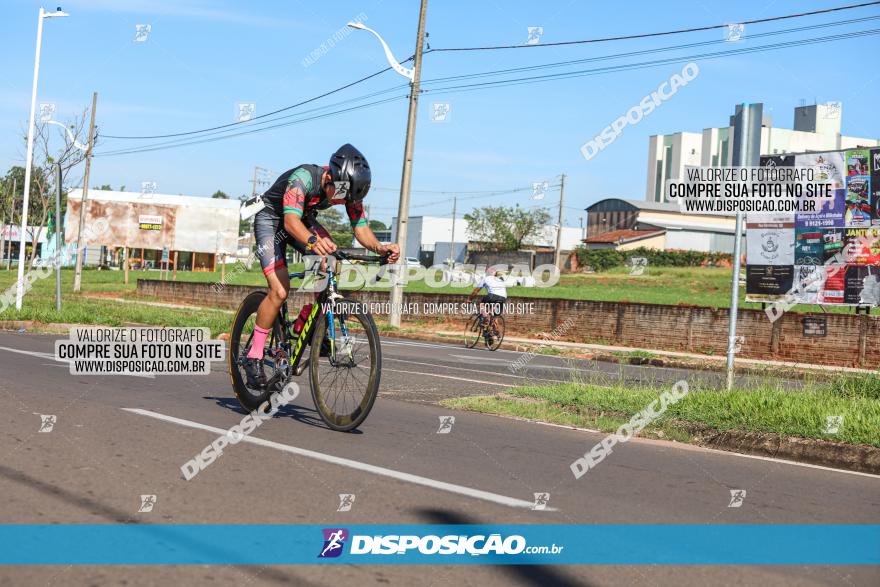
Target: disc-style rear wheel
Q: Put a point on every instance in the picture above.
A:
(344, 375)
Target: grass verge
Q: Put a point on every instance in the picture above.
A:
(801, 414)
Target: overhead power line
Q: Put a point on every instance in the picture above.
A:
(584, 41)
(657, 34)
(231, 124)
(647, 64)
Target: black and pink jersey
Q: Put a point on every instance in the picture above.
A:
(298, 191)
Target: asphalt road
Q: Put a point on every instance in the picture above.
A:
(117, 438)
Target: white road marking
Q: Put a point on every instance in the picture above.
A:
(481, 371)
(51, 357)
(686, 446)
(449, 377)
(352, 464)
(481, 359)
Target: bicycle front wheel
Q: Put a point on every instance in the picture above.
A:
(496, 333)
(344, 372)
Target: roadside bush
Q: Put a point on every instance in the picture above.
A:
(604, 259)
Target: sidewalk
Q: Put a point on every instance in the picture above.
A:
(514, 342)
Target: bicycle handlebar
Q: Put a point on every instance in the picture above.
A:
(383, 260)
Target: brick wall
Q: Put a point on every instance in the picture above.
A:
(851, 341)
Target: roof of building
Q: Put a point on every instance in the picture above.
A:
(622, 236)
(615, 204)
(159, 199)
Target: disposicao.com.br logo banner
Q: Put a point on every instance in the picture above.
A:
(421, 544)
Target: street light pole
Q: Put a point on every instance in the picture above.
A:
(80, 245)
(19, 284)
(406, 176)
(414, 75)
(746, 153)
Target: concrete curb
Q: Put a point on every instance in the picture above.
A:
(839, 455)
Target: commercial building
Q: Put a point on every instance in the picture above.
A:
(10, 239)
(196, 231)
(629, 224)
(430, 238)
(815, 128)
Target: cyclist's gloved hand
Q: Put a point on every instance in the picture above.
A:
(324, 246)
(391, 251)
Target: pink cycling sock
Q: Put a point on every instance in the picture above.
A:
(258, 342)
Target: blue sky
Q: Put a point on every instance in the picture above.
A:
(202, 57)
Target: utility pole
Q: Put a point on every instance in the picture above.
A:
(80, 245)
(256, 181)
(454, 203)
(746, 153)
(406, 177)
(559, 230)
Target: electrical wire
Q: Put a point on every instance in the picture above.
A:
(658, 34)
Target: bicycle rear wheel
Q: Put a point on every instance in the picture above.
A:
(472, 331)
(345, 382)
(240, 344)
(496, 333)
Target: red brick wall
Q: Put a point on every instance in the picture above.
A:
(852, 341)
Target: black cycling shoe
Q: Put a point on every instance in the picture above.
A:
(253, 368)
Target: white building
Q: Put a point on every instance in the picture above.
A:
(196, 231)
(430, 234)
(816, 128)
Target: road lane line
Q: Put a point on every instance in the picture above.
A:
(450, 377)
(480, 358)
(351, 464)
(481, 371)
(51, 357)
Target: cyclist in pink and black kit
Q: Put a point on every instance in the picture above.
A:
(289, 218)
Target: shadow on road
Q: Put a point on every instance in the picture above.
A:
(522, 574)
(166, 531)
(299, 413)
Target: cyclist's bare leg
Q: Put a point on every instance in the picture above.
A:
(279, 287)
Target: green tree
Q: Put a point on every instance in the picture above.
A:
(504, 228)
(220, 195)
(104, 187)
(377, 225)
(337, 226)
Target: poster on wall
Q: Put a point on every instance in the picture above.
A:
(862, 246)
(858, 189)
(834, 286)
(777, 161)
(831, 213)
(826, 167)
(809, 248)
(808, 282)
(767, 283)
(770, 239)
(875, 186)
(862, 285)
(831, 256)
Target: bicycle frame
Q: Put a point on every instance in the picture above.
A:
(305, 334)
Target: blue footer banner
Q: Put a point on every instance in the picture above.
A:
(523, 544)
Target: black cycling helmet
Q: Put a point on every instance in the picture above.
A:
(350, 173)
